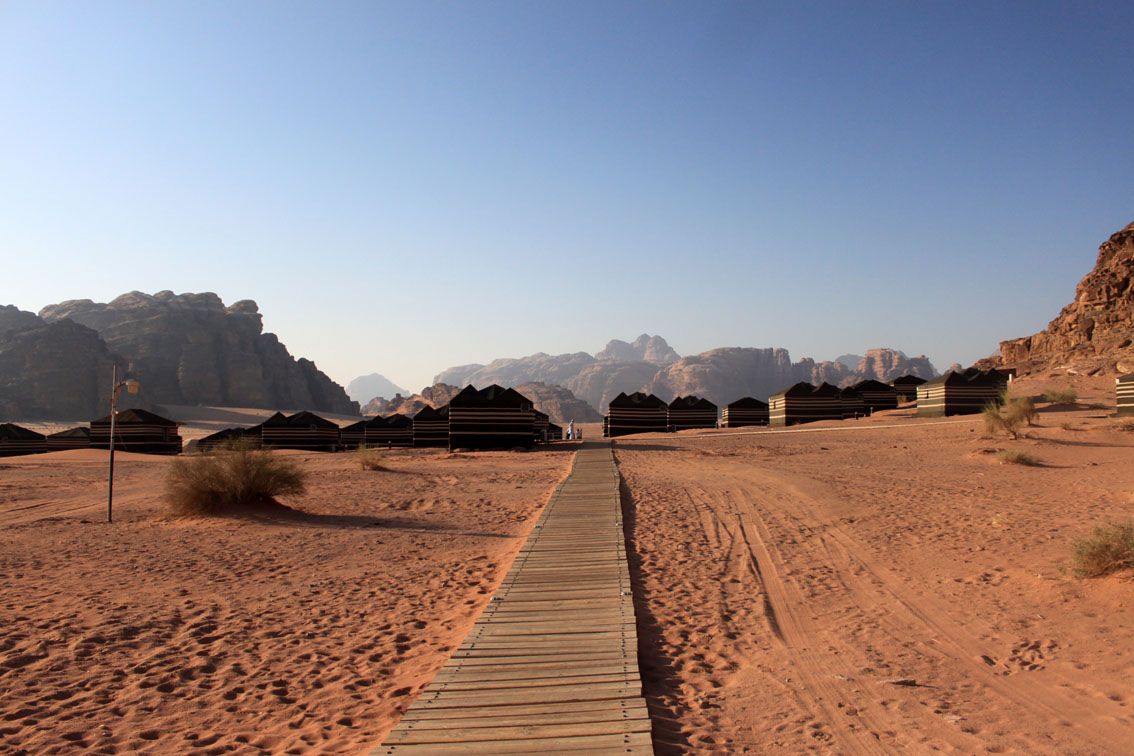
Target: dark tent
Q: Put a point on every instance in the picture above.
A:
(72, 438)
(16, 440)
(687, 412)
(395, 430)
(220, 439)
(804, 403)
(350, 436)
(877, 395)
(491, 418)
(303, 430)
(745, 412)
(1124, 389)
(906, 386)
(431, 427)
(554, 432)
(852, 404)
(960, 393)
(137, 430)
(636, 413)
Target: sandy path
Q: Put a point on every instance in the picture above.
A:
(291, 634)
(785, 579)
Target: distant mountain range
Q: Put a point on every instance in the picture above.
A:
(650, 364)
(182, 348)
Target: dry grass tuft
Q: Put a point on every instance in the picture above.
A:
(1125, 424)
(1108, 549)
(1061, 396)
(1014, 457)
(370, 458)
(234, 477)
(1008, 415)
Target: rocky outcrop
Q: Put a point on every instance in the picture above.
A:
(1094, 333)
(720, 375)
(559, 403)
(54, 371)
(12, 318)
(457, 375)
(887, 364)
(366, 387)
(191, 349)
(645, 348)
(599, 382)
(437, 395)
(725, 375)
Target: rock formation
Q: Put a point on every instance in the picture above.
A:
(53, 371)
(720, 375)
(367, 387)
(645, 348)
(191, 349)
(1094, 333)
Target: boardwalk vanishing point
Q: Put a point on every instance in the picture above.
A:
(551, 666)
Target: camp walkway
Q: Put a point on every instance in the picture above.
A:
(551, 666)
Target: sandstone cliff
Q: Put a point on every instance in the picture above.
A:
(191, 349)
(645, 348)
(1094, 333)
(54, 371)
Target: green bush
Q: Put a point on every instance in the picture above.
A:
(233, 477)
(1108, 549)
(1061, 396)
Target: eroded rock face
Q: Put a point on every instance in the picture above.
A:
(54, 371)
(645, 348)
(559, 403)
(600, 382)
(191, 349)
(887, 364)
(1095, 332)
(437, 395)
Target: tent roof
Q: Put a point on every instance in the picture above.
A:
(399, 421)
(748, 403)
(800, 389)
(638, 399)
(136, 417)
(225, 435)
(354, 427)
(907, 380)
(10, 432)
(310, 418)
(491, 396)
(73, 433)
(872, 385)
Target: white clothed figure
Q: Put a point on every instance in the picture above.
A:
(571, 431)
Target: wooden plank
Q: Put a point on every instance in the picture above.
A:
(550, 666)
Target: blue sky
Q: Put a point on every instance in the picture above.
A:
(407, 186)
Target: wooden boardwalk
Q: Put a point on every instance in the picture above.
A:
(551, 666)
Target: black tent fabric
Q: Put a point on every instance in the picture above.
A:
(16, 440)
(744, 412)
(137, 430)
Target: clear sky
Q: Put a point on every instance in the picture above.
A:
(408, 186)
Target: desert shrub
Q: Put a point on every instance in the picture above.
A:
(1061, 396)
(370, 458)
(996, 421)
(1022, 407)
(233, 477)
(1014, 457)
(1109, 548)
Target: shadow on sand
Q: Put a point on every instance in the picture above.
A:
(659, 674)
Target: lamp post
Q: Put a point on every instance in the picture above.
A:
(116, 386)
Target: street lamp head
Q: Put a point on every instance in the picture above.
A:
(132, 387)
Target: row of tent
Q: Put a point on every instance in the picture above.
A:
(496, 417)
(955, 393)
(490, 418)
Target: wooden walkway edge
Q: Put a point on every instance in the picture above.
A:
(551, 665)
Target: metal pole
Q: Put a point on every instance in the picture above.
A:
(110, 482)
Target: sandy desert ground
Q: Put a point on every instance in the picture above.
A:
(290, 634)
(848, 588)
(871, 590)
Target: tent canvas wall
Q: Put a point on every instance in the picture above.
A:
(877, 395)
(72, 438)
(350, 436)
(687, 412)
(960, 393)
(906, 386)
(137, 430)
(431, 427)
(636, 413)
(804, 403)
(853, 405)
(1124, 389)
(491, 418)
(745, 412)
(395, 430)
(303, 430)
(16, 440)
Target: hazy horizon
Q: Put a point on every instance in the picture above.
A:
(407, 187)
